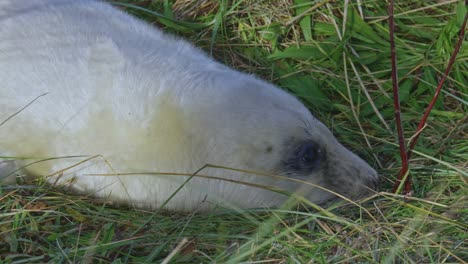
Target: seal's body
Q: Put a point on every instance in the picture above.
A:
(95, 99)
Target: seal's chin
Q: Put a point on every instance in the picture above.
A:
(329, 203)
(353, 199)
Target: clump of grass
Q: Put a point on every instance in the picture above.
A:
(335, 56)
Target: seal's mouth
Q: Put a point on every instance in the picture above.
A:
(356, 189)
(368, 188)
(354, 197)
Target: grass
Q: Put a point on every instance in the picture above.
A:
(335, 56)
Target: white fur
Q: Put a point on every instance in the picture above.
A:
(143, 101)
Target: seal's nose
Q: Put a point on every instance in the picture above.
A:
(373, 179)
(374, 183)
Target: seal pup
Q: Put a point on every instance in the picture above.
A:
(100, 101)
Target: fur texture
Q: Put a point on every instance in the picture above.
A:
(109, 94)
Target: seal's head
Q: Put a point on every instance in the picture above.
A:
(249, 124)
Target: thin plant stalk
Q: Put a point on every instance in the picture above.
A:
(396, 97)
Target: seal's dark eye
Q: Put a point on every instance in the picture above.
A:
(305, 158)
(309, 153)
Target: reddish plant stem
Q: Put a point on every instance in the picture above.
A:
(422, 123)
(396, 97)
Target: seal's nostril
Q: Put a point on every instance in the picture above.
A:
(373, 183)
(376, 182)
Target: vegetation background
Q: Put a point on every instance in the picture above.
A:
(335, 56)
